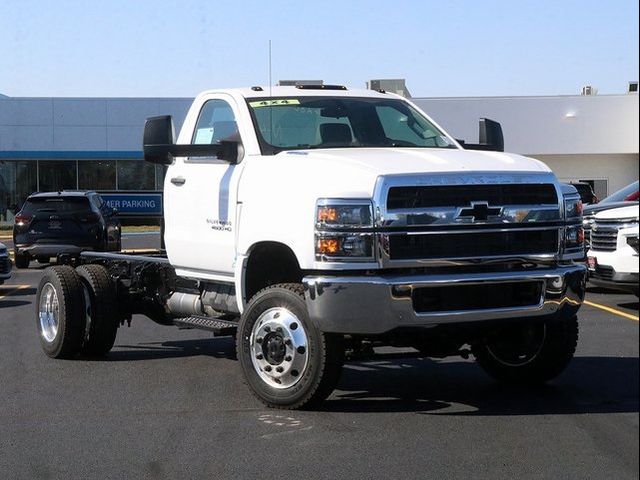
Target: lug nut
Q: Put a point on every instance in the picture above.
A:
(279, 369)
(294, 373)
(301, 350)
(259, 340)
(293, 326)
(267, 368)
(259, 356)
(287, 341)
(287, 358)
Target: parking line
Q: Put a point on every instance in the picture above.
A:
(612, 310)
(14, 289)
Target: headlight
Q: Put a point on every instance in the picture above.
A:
(358, 246)
(332, 214)
(573, 244)
(573, 238)
(572, 208)
(344, 230)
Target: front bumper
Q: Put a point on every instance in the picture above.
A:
(371, 304)
(628, 282)
(5, 268)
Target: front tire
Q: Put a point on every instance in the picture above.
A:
(60, 312)
(528, 354)
(287, 362)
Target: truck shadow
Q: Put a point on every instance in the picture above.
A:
(223, 347)
(433, 387)
(424, 386)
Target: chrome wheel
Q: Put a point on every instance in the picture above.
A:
(49, 313)
(279, 348)
(519, 346)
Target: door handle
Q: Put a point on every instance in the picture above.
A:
(178, 181)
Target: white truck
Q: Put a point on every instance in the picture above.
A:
(613, 256)
(311, 221)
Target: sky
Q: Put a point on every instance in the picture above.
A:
(129, 48)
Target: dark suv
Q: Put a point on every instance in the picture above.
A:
(66, 222)
(585, 190)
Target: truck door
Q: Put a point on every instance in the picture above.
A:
(201, 200)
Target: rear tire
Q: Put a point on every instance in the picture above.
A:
(22, 260)
(60, 312)
(287, 362)
(100, 310)
(529, 354)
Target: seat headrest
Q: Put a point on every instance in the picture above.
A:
(338, 133)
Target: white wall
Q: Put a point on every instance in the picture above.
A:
(620, 170)
(81, 124)
(580, 124)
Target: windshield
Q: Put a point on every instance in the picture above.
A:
(290, 123)
(630, 192)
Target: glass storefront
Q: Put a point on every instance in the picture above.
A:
(17, 180)
(20, 178)
(97, 174)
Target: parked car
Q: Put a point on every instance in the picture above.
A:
(5, 264)
(66, 222)
(585, 190)
(627, 196)
(613, 257)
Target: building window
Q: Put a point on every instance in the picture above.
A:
(56, 175)
(97, 174)
(136, 175)
(18, 179)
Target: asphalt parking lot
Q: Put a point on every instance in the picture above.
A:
(169, 403)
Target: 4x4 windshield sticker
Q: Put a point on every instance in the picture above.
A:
(274, 102)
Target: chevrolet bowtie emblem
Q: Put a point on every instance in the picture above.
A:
(479, 211)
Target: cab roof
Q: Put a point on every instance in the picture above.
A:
(302, 90)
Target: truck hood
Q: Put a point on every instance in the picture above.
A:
(381, 161)
(619, 213)
(352, 172)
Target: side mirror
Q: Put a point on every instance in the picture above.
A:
(159, 144)
(159, 135)
(490, 137)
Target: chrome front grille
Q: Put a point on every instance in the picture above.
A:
(401, 198)
(473, 244)
(604, 239)
(439, 218)
(587, 222)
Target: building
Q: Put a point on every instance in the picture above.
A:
(49, 144)
(95, 143)
(592, 138)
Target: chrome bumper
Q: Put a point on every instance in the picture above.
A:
(372, 305)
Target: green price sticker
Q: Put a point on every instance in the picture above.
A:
(274, 102)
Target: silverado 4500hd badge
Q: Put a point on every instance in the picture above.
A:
(221, 225)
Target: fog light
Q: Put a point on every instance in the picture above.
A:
(557, 283)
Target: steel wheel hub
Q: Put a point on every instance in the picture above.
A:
(48, 313)
(279, 347)
(520, 346)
